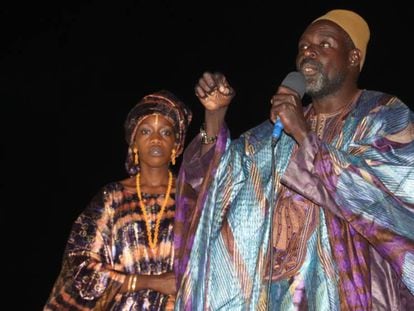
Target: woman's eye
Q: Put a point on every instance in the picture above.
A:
(166, 132)
(325, 45)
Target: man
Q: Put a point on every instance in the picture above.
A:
(321, 221)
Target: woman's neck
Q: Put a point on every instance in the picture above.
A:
(154, 177)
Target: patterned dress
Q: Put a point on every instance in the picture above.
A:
(109, 241)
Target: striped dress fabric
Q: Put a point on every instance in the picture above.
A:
(109, 241)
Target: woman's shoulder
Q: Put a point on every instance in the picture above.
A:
(121, 185)
(106, 196)
(108, 192)
(112, 187)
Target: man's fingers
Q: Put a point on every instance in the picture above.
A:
(209, 80)
(224, 90)
(210, 83)
(205, 86)
(200, 92)
(224, 86)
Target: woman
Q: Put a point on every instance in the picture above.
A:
(120, 252)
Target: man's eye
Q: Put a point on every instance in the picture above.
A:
(325, 45)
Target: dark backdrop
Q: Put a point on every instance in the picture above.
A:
(70, 72)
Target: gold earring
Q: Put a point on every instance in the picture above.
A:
(136, 159)
(173, 152)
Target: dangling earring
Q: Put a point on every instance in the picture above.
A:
(136, 159)
(173, 152)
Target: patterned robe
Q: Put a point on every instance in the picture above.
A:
(328, 225)
(109, 241)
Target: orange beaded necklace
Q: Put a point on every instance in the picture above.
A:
(153, 240)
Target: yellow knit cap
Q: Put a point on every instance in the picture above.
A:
(354, 25)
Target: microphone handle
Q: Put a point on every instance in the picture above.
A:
(277, 129)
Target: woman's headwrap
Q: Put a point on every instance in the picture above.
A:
(162, 102)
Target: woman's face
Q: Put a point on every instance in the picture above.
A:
(155, 139)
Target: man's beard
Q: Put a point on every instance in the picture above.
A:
(319, 85)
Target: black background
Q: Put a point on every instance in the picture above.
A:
(70, 72)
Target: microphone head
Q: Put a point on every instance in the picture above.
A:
(296, 82)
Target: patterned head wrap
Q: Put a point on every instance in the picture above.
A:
(354, 25)
(162, 102)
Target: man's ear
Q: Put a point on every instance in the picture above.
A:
(355, 57)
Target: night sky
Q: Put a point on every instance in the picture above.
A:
(71, 71)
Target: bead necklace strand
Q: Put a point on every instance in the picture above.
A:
(153, 240)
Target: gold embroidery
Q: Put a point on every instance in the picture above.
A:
(294, 221)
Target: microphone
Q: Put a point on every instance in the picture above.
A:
(296, 82)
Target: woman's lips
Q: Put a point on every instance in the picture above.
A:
(156, 151)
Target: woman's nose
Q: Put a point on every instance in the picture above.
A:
(155, 137)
